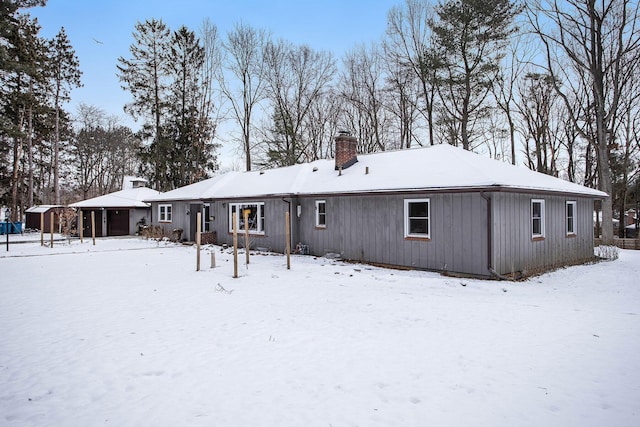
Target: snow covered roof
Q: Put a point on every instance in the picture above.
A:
(440, 167)
(42, 208)
(196, 191)
(128, 198)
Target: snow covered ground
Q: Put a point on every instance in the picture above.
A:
(127, 333)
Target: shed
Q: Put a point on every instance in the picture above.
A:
(436, 208)
(33, 215)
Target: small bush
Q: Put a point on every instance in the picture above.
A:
(68, 223)
(153, 232)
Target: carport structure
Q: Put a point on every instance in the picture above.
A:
(120, 213)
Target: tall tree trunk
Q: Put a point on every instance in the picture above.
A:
(15, 177)
(56, 152)
(30, 156)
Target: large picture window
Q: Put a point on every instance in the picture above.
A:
(417, 218)
(537, 218)
(164, 213)
(571, 218)
(321, 214)
(255, 217)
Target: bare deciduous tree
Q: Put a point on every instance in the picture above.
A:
(244, 48)
(409, 45)
(593, 48)
(297, 77)
(361, 86)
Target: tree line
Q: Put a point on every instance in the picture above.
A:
(551, 85)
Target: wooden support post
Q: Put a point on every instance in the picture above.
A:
(41, 228)
(52, 217)
(80, 225)
(246, 235)
(198, 233)
(235, 245)
(213, 260)
(93, 227)
(287, 223)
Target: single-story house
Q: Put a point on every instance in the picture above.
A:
(33, 215)
(176, 211)
(120, 213)
(435, 208)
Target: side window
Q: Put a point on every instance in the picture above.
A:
(417, 221)
(571, 218)
(537, 218)
(321, 214)
(206, 217)
(164, 213)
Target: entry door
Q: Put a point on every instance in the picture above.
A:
(86, 223)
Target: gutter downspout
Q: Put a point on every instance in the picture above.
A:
(492, 270)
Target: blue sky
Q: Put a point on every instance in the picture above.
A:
(101, 31)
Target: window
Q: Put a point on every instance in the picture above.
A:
(417, 218)
(537, 218)
(571, 218)
(164, 213)
(206, 218)
(255, 217)
(321, 214)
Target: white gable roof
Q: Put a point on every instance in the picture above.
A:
(128, 198)
(42, 208)
(440, 167)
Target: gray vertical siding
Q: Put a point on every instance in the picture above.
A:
(274, 223)
(515, 250)
(180, 218)
(371, 228)
(135, 215)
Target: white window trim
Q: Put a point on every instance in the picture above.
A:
(406, 219)
(260, 213)
(318, 203)
(542, 220)
(575, 207)
(167, 215)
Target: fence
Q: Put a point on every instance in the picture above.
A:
(622, 243)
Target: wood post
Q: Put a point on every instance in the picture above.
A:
(41, 228)
(287, 223)
(235, 244)
(213, 260)
(198, 232)
(52, 216)
(93, 227)
(246, 235)
(80, 225)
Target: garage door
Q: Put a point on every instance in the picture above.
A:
(118, 222)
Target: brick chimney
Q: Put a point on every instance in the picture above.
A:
(345, 150)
